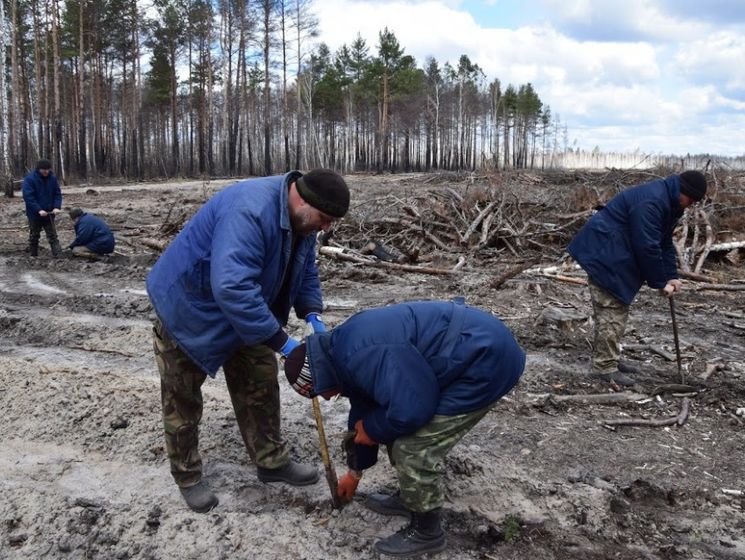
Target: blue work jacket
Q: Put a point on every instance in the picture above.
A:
(401, 365)
(630, 241)
(41, 194)
(217, 285)
(92, 233)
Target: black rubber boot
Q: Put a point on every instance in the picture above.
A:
(423, 535)
(387, 505)
(615, 377)
(33, 250)
(628, 367)
(292, 473)
(56, 249)
(199, 497)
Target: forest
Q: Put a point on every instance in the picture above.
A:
(194, 88)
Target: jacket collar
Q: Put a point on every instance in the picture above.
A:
(284, 208)
(325, 376)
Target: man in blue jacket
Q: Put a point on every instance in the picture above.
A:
(627, 243)
(418, 376)
(43, 199)
(92, 236)
(222, 292)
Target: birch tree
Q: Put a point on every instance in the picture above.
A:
(5, 172)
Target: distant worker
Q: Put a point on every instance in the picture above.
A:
(222, 293)
(43, 198)
(92, 236)
(627, 243)
(418, 376)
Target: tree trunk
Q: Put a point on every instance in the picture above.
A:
(6, 175)
(82, 156)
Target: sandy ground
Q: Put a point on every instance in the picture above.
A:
(83, 472)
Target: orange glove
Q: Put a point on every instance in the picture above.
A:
(361, 437)
(348, 485)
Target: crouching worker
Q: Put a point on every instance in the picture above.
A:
(92, 236)
(419, 376)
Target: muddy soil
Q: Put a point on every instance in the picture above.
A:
(83, 473)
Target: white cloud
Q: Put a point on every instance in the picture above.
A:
(715, 59)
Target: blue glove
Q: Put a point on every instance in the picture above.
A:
(314, 324)
(289, 346)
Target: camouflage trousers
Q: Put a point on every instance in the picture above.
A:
(610, 315)
(50, 229)
(419, 458)
(251, 376)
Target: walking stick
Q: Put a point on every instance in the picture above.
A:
(330, 472)
(677, 340)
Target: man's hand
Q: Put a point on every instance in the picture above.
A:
(43, 213)
(671, 287)
(289, 346)
(56, 211)
(361, 437)
(348, 485)
(314, 324)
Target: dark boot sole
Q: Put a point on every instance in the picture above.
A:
(271, 478)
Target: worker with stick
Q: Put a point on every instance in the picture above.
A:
(627, 243)
(418, 376)
(43, 198)
(222, 292)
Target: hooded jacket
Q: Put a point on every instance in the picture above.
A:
(218, 283)
(41, 194)
(401, 365)
(92, 233)
(630, 241)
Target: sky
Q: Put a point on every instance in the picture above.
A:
(657, 76)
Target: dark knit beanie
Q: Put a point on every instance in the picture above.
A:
(297, 371)
(76, 213)
(693, 184)
(324, 190)
(43, 164)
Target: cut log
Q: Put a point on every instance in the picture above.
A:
(339, 254)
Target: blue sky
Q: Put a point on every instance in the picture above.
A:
(659, 76)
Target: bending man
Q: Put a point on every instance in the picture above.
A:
(418, 377)
(627, 243)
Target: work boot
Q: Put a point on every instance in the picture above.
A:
(422, 535)
(33, 250)
(387, 505)
(628, 367)
(613, 376)
(292, 473)
(56, 250)
(199, 497)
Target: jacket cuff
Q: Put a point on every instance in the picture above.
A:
(277, 340)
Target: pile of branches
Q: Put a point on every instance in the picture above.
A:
(471, 222)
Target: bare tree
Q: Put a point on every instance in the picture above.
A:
(6, 174)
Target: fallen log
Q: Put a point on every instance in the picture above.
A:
(653, 423)
(592, 398)
(695, 276)
(722, 287)
(727, 246)
(157, 244)
(339, 254)
(510, 273)
(568, 279)
(674, 388)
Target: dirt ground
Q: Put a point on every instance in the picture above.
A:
(83, 472)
